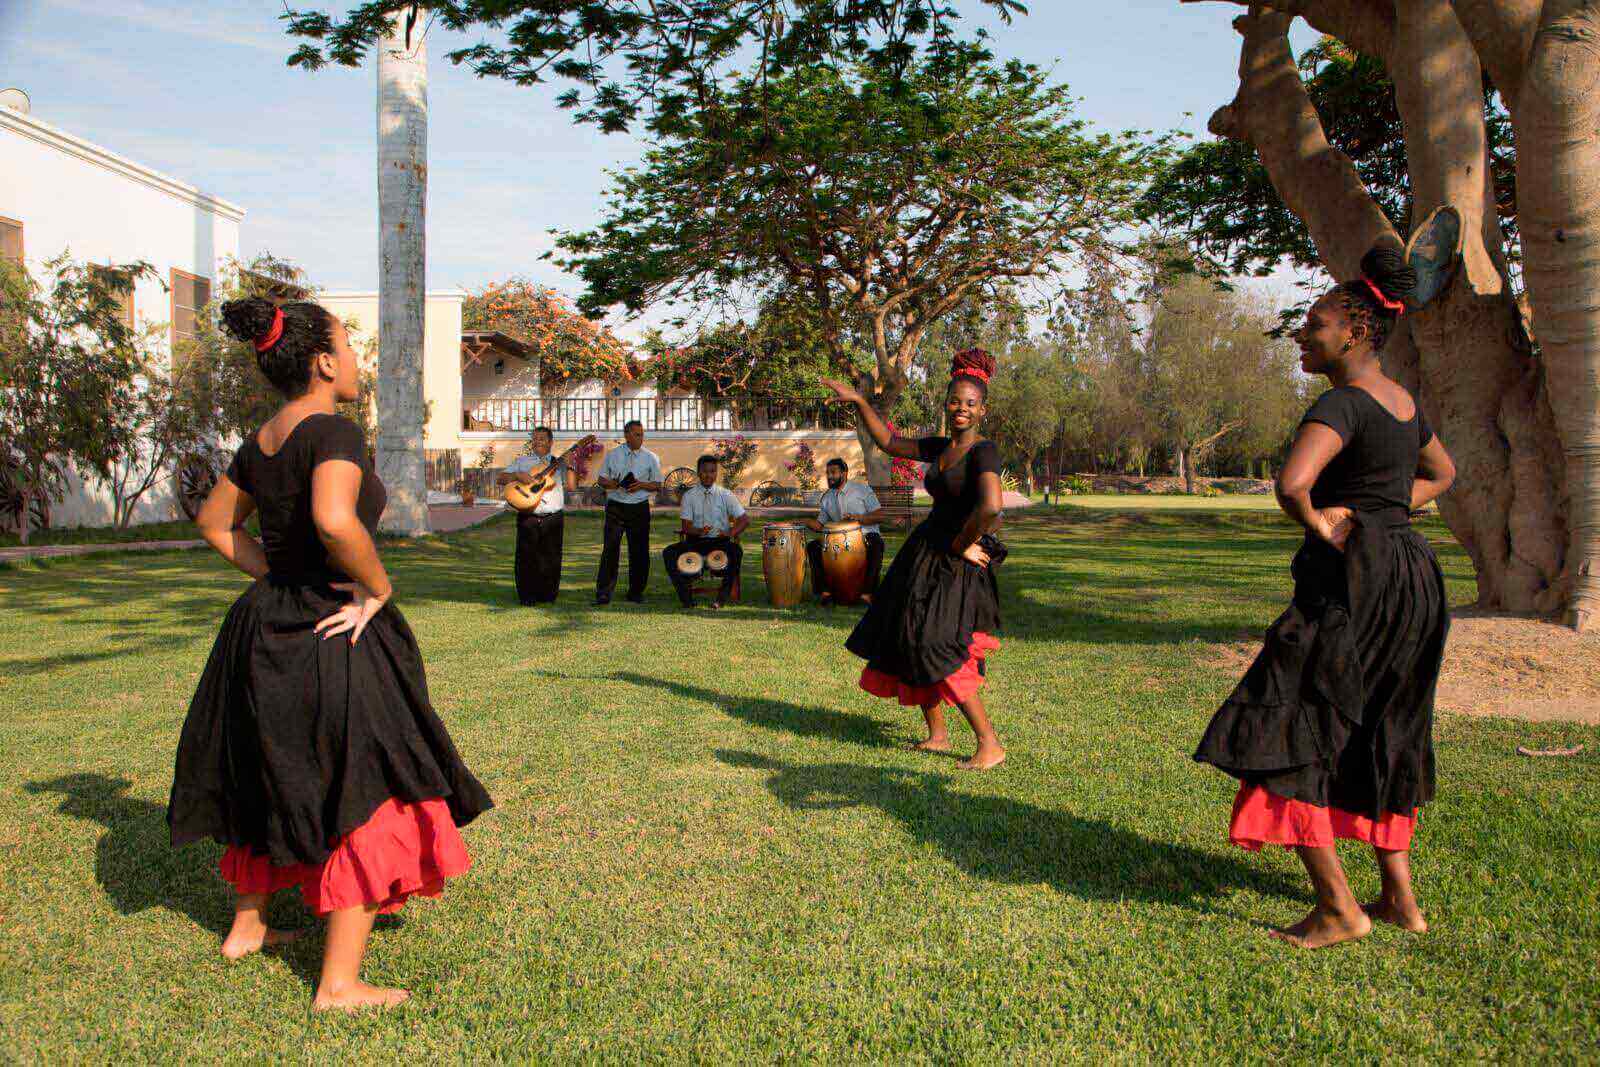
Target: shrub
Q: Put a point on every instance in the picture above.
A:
(733, 455)
(804, 468)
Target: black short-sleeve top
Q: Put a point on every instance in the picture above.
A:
(280, 484)
(954, 491)
(1377, 467)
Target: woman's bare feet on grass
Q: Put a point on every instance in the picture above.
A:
(1324, 929)
(932, 744)
(1405, 915)
(986, 757)
(357, 997)
(241, 943)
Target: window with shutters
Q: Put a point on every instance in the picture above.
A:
(10, 240)
(124, 296)
(190, 293)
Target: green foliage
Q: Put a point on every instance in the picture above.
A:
(69, 366)
(569, 347)
(626, 59)
(804, 468)
(733, 456)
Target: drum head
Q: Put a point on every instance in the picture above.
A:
(848, 526)
(691, 563)
(717, 559)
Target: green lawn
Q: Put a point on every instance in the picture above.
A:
(182, 530)
(711, 846)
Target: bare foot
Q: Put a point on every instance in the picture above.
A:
(240, 944)
(358, 997)
(1407, 917)
(986, 757)
(932, 744)
(1322, 929)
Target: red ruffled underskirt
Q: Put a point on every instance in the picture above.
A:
(957, 687)
(1263, 818)
(404, 850)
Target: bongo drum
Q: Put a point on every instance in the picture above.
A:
(717, 560)
(783, 560)
(690, 564)
(844, 561)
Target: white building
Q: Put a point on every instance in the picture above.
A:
(59, 193)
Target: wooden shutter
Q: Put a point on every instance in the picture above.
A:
(124, 298)
(11, 240)
(190, 293)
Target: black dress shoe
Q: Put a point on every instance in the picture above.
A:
(601, 601)
(636, 600)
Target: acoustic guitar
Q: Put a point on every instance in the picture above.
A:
(525, 496)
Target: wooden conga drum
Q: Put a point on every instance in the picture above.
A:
(844, 561)
(783, 560)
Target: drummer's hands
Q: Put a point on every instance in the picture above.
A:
(849, 394)
(1334, 525)
(354, 616)
(975, 554)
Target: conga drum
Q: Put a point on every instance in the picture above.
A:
(783, 560)
(717, 561)
(690, 564)
(844, 561)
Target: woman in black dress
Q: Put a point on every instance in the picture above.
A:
(1331, 731)
(933, 620)
(310, 749)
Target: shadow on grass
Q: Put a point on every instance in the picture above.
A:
(138, 868)
(779, 714)
(1010, 841)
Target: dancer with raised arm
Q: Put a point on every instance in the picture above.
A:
(310, 749)
(932, 624)
(1331, 731)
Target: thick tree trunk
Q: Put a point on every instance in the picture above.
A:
(25, 514)
(402, 196)
(1463, 357)
(1556, 113)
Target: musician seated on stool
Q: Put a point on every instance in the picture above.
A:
(713, 518)
(846, 500)
(540, 531)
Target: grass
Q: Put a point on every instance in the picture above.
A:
(710, 845)
(180, 530)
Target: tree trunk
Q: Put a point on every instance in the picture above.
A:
(1555, 110)
(1186, 465)
(402, 194)
(1462, 356)
(26, 493)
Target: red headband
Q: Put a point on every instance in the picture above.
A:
(270, 338)
(971, 372)
(1377, 294)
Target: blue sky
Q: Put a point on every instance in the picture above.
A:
(200, 91)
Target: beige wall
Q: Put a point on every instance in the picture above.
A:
(772, 453)
(441, 357)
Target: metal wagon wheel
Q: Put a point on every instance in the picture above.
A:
(195, 476)
(675, 484)
(768, 494)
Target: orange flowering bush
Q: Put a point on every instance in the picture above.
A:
(571, 348)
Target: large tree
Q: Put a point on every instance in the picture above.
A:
(887, 201)
(1525, 511)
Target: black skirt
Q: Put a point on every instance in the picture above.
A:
(292, 740)
(1337, 710)
(920, 623)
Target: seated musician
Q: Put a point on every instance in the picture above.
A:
(713, 518)
(846, 500)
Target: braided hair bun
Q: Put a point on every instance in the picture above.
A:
(975, 365)
(1379, 297)
(286, 362)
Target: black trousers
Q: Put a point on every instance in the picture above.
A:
(634, 521)
(539, 557)
(702, 545)
(875, 548)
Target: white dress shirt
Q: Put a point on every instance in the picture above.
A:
(622, 460)
(555, 498)
(715, 507)
(846, 502)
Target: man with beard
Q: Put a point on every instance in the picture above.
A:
(846, 500)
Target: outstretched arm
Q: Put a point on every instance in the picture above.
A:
(882, 436)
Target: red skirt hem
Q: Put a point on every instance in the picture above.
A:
(403, 850)
(1263, 818)
(953, 689)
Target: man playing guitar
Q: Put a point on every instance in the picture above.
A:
(537, 485)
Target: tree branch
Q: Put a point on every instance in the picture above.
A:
(1502, 32)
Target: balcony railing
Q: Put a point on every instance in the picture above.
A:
(693, 414)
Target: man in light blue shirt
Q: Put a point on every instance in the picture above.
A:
(846, 500)
(713, 519)
(630, 474)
